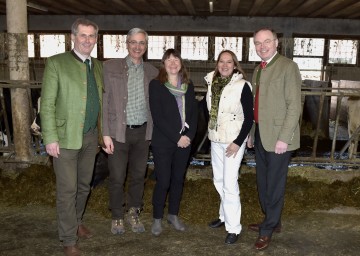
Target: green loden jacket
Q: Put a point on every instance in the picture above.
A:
(279, 103)
(63, 99)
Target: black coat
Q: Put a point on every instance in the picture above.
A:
(166, 116)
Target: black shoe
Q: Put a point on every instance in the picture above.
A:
(231, 238)
(216, 223)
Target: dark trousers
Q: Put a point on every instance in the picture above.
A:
(271, 175)
(74, 170)
(170, 167)
(129, 158)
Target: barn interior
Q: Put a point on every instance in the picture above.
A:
(322, 205)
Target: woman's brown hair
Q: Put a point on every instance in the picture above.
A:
(163, 77)
(236, 64)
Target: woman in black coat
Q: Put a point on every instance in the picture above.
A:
(174, 111)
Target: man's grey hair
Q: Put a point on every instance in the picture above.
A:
(134, 31)
(84, 22)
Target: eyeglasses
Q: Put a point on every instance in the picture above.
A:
(267, 42)
(141, 43)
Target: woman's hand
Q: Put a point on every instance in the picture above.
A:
(232, 150)
(184, 142)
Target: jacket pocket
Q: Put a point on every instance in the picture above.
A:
(61, 127)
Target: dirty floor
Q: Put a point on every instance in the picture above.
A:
(28, 230)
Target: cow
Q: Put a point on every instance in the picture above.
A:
(353, 124)
(353, 107)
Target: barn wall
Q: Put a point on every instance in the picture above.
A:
(212, 24)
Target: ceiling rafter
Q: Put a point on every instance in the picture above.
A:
(90, 7)
(234, 5)
(303, 7)
(346, 11)
(326, 9)
(189, 6)
(169, 7)
(58, 7)
(148, 7)
(278, 7)
(256, 7)
(125, 6)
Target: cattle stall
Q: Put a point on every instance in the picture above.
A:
(329, 107)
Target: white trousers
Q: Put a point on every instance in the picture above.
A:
(226, 174)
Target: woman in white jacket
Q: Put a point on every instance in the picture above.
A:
(230, 104)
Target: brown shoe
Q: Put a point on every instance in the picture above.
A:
(262, 242)
(84, 232)
(255, 227)
(71, 250)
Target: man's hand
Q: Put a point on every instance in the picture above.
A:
(53, 149)
(280, 147)
(109, 145)
(250, 142)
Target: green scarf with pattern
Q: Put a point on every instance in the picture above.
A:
(217, 87)
(179, 93)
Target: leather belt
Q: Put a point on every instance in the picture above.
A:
(132, 126)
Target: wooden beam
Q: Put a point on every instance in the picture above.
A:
(149, 8)
(169, 7)
(190, 7)
(125, 6)
(302, 9)
(356, 15)
(278, 7)
(325, 10)
(234, 5)
(256, 6)
(351, 9)
(57, 7)
(72, 7)
(90, 7)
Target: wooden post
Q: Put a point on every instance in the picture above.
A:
(16, 17)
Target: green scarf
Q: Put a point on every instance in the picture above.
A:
(179, 93)
(217, 87)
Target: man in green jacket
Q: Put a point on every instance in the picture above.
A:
(277, 108)
(71, 103)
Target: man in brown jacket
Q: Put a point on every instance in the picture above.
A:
(127, 129)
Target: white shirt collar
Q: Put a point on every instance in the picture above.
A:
(82, 57)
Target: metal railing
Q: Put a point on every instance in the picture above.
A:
(333, 158)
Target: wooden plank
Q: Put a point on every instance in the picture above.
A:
(256, 6)
(169, 7)
(189, 7)
(126, 7)
(148, 7)
(326, 9)
(348, 10)
(59, 7)
(234, 5)
(304, 8)
(281, 5)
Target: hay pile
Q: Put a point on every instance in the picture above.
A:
(36, 186)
